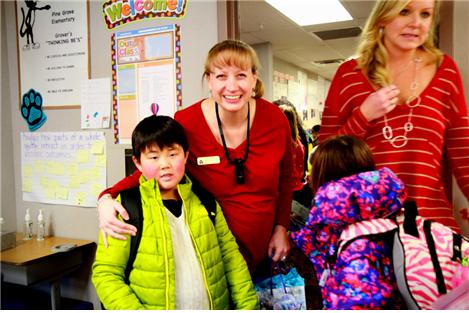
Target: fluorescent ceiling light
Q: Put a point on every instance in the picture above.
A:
(312, 12)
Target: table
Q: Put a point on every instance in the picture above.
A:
(33, 262)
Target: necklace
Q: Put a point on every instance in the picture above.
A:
(238, 163)
(401, 140)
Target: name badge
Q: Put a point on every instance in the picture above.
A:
(208, 160)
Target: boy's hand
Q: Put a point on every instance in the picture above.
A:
(108, 222)
(279, 245)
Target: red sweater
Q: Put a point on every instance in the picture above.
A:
(253, 209)
(440, 126)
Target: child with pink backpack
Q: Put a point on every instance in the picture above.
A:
(347, 190)
(366, 242)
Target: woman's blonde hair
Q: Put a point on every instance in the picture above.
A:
(235, 53)
(372, 55)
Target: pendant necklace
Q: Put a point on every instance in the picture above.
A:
(238, 163)
(401, 140)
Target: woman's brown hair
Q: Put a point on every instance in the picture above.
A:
(337, 157)
(292, 120)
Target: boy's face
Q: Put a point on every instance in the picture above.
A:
(166, 165)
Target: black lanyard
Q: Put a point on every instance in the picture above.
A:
(238, 163)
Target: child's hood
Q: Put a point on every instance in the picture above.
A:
(363, 196)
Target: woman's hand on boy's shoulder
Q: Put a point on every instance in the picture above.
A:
(109, 223)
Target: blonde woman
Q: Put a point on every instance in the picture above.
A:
(405, 98)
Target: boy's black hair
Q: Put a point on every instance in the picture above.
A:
(316, 128)
(161, 130)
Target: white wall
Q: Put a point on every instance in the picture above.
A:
(199, 32)
(460, 51)
(266, 59)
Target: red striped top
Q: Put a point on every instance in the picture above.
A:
(441, 126)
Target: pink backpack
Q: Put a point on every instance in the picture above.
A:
(426, 254)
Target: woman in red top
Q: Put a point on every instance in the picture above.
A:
(406, 100)
(239, 150)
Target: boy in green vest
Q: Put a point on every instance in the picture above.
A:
(184, 261)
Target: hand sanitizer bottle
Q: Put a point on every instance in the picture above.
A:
(41, 226)
(28, 226)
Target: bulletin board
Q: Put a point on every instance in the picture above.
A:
(63, 167)
(52, 51)
(146, 76)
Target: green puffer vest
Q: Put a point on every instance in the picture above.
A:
(152, 284)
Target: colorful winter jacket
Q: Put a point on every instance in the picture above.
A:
(361, 276)
(152, 280)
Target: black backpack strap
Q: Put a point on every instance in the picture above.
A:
(207, 199)
(131, 200)
(457, 247)
(440, 280)
(410, 215)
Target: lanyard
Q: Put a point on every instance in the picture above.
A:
(238, 163)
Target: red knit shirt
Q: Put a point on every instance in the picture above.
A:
(254, 208)
(440, 126)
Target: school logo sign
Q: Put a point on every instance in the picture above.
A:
(119, 12)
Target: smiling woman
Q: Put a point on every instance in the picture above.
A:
(239, 150)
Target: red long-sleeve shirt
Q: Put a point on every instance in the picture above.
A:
(440, 126)
(254, 208)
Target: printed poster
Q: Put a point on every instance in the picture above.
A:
(52, 50)
(147, 76)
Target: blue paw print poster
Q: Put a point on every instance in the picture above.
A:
(32, 110)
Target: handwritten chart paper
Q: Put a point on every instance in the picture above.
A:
(63, 167)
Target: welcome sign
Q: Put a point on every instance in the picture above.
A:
(119, 12)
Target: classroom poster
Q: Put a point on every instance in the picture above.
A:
(63, 167)
(146, 76)
(53, 50)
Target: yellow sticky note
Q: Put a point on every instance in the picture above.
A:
(95, 173)
(50, 193)
(54, 184)
(44, 182)
(80, 198)
(74, 181)
(97, 147)
(72, 169)
(84, 177)
(82, 156)
(62, 193)
(96, 189)
(55, 168)
(27, 185)
(101, 160)
(38, 166)
(27, 171)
